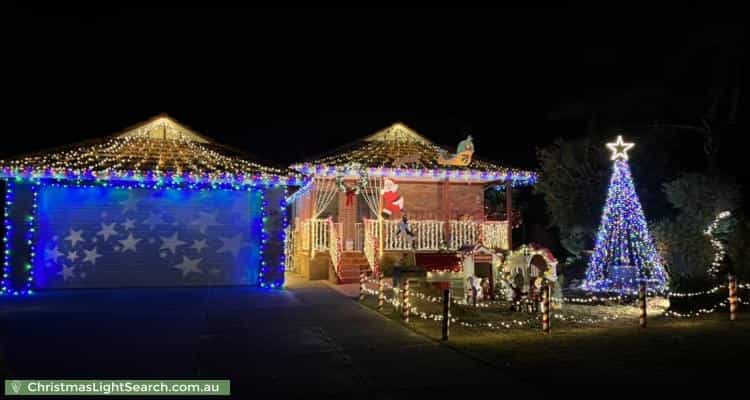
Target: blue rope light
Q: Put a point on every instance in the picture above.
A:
(153, 178)
(5, 284)
(259, 226)
(284, 225)
(263, 270)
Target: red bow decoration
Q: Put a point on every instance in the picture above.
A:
(350, 197)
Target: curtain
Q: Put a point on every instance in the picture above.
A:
(372, 193)
(324, 193)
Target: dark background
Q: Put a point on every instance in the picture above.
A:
(288, 84)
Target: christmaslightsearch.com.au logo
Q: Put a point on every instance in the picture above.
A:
(37, 387)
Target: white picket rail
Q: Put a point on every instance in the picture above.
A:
(320, 234)
(304, 234)
(370, 227)
(317, 235)
(428, 235)
(495, 234)
(359, 236)
(334, 245)
(463, 233)
(290, 245)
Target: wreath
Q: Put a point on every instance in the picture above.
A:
(361, 183)
(360, 186)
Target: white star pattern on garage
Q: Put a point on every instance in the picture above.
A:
(110, 236)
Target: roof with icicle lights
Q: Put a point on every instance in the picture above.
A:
(400, 152)
(159, 150)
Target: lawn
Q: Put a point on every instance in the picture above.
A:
(667, 351)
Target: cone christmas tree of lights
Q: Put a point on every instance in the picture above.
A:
(624, 254)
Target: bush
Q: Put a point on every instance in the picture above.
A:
(684, 248)
(387, 262)
(738, 248)
(685, 251)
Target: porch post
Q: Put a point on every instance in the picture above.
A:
(509, 211)
(446, 211)
(380, 226)
(311, 203)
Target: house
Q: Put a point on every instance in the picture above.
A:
(154, 205)
(351, 214)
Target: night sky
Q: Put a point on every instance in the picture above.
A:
(288, 84)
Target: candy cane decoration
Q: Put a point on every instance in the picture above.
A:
(381, 294)
(361, 286)
(405, 301)
(642, 298)
(732, 297)
(545, 308)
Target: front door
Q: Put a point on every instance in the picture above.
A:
(347, 219)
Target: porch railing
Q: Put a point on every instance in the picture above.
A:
(290, 245)
(495, 234)
(463, 233)
(430, 234)
(370, 227)
(334, 245)
(320, 234)
(304, 234)
(359, 236)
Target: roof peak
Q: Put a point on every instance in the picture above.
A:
(163, 127)
(398, 133)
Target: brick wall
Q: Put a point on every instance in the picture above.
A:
(425, 200)
(466, 199)
(422, 201)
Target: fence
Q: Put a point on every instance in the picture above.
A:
(430, 234)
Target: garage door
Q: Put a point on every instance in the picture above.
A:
(90, 237)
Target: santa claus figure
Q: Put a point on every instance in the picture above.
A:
(393, 203)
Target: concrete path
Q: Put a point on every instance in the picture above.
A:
(309, 340)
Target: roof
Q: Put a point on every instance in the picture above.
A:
(400, 151)
(157, 148)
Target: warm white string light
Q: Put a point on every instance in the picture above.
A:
(383, 154)
(533, 322)
(156, 150)
(501, 324)
(718, 246)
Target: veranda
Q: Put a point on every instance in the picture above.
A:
(363, 195)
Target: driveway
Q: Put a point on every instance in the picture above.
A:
(309, 340)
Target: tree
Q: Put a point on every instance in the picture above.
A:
(624, 255)
(701, 196)
(738, 248)
(697, 199)
(573, 176)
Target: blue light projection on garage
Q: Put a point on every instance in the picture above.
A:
(109, 237)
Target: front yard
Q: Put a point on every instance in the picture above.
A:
(594, 349)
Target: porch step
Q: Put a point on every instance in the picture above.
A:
(348, 259)
(353, 255)
(350, 267)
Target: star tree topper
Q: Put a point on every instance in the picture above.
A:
(620, 149)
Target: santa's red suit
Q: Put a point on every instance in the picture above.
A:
(392, 201)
